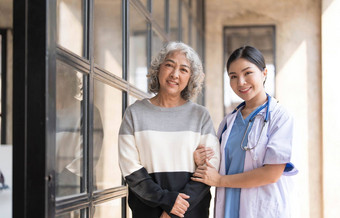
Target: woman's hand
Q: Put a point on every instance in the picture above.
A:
(207, 174)
(202, 153)
(164, 215)
(265, 175)
(181, 205)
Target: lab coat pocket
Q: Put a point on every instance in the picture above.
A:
(267, 209)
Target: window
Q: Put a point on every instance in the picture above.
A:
(70, 131)
(138, 40)
(262, 38)
(70, 25)
(90, 59)
(174, 19)
(159, 13)
(107, 29)
(107, 116)
(185, 26)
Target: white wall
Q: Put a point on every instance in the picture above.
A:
(330, 106)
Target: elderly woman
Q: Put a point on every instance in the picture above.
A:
(158, 137)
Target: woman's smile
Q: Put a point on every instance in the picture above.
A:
(171, 82)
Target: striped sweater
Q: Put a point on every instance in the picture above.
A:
(156, 147)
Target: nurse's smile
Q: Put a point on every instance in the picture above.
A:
(244, 90)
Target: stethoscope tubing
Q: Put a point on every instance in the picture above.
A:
(252, 118)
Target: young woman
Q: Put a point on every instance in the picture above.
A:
(256, 144)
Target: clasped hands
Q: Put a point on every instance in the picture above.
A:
(202, 155)
(180, 207)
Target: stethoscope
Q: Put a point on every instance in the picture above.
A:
(251, 120)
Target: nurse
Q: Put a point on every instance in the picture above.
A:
(256, 145)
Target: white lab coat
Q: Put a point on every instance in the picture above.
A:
(274, 147)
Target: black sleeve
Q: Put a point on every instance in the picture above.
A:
(197, 191)
(149, 192)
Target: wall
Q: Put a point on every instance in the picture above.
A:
(330, 106)
(298, 84)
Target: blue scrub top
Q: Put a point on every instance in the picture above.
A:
(235, 161)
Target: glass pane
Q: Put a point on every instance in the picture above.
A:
(132, 99)
(158, 12)
(194, 36)
(198, 9)
(108, 35)
(145, 3)
(138, 53)
(194, 8)
(157, 43)
(109, 209)
(70, 25)
(107, 119)
(69, 130)
(199, 43)
(185, 23)
(74, 214)
(173, 4)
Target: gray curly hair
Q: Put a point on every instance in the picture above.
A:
(196, 78)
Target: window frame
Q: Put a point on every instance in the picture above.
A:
(3, 114)
(36, 53)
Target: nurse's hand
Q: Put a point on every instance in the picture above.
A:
(181, 205)
(207, 174)
(202, 153)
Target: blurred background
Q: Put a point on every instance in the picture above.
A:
(69, 68)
